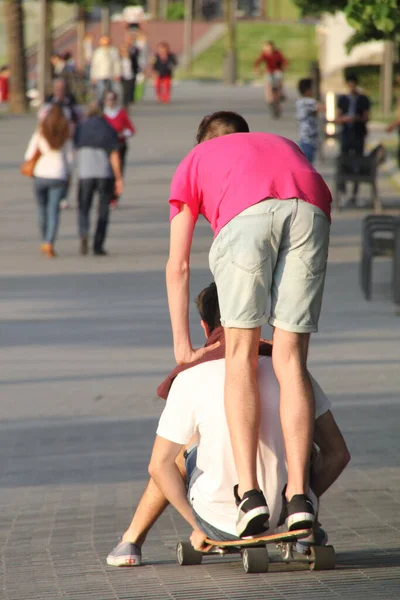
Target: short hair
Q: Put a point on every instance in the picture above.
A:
(208, 307)
(352, 78)
(94, 110)
(304, 85)
(221, 123)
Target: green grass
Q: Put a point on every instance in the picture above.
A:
(282, 10)
(296, 41)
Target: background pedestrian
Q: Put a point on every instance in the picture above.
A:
(53, 146)
(163, 67)
(105, 71)
(99, 171)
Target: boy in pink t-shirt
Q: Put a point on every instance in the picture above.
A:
(270, 213)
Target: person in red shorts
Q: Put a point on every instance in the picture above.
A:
(163, 68)
(270, 214)
(275, 64)
(119, 120)
(4, 83)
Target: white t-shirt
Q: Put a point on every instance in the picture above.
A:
(52, 164)
(196, 401)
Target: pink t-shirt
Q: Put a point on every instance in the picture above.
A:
(222, 177)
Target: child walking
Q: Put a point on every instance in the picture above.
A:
(163, 67)
(307, 119)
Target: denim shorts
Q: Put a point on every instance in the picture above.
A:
(192, 473)
(276, 248)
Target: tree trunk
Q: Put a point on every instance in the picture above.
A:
(16, 56)
(230, 74)
(105, 20)
(49, 44)
(154, 8)
(188, 36)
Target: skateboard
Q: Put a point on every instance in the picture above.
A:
(254, 551)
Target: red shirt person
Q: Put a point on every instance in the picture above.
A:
(118, 118)
(273, 59)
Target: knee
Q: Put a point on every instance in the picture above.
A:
(288, 357)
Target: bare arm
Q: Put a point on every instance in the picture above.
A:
(333, 456)
(178, 276)
(165, 472)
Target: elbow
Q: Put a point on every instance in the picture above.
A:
(177, 270)
(154, 469)
(345, 457)
(342, 458)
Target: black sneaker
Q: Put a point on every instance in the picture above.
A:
(100, 252)
(253, 513)
(298, 513)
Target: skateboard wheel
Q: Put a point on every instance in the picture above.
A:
(322, 558)
(187, 555)
(255, 560)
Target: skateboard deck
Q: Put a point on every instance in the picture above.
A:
(254, 551)
(288, 536)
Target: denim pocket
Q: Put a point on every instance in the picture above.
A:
(315, 254)
(250, 241)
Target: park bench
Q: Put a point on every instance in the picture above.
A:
(359, 169)
(380, 237)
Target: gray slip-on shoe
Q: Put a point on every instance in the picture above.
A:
(125, 554)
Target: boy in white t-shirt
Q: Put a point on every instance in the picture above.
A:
(194, 415)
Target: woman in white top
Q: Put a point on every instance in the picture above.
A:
(51, 173)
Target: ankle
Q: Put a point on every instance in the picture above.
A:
(299, 491)
(130, 536)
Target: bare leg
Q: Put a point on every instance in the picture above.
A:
(268, 93)
(297, 406)
(242, 402)
(151, 506)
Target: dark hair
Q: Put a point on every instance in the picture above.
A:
(55, 127)
(208, 307)
(351, 78)
(304, 85)
(220, 123)
(111, 93)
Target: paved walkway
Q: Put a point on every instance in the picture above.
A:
(83, 344)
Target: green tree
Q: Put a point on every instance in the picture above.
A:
(371, 19)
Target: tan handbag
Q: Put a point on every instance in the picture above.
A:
(28, 166)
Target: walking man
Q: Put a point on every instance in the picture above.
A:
(270, 213)
(99, 170)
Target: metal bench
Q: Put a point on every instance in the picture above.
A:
(380, 237)
(359, 169)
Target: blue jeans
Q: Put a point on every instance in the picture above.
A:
(308, 150)
(193, 473)
(49, 193)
